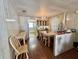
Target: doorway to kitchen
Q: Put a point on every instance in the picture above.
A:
(32, 28)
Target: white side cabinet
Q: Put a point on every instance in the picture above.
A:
(62, 43)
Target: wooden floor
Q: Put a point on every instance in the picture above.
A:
(37, 50)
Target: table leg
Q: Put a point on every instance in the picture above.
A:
(48, 41)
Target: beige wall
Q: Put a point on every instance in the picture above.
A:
(13, 26)
(55, 21)
(70, 24)
(73, 22)
(4, 45)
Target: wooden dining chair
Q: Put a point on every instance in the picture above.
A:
(18, 48)
(44, 39)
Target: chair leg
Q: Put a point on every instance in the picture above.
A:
(16, 56)
(48, 41)
(45, 42)
(27, 56)
(21, 56)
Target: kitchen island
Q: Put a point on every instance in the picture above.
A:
(62, 43)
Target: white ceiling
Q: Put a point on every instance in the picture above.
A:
(51, 7)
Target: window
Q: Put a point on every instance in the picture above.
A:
(30, 25)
